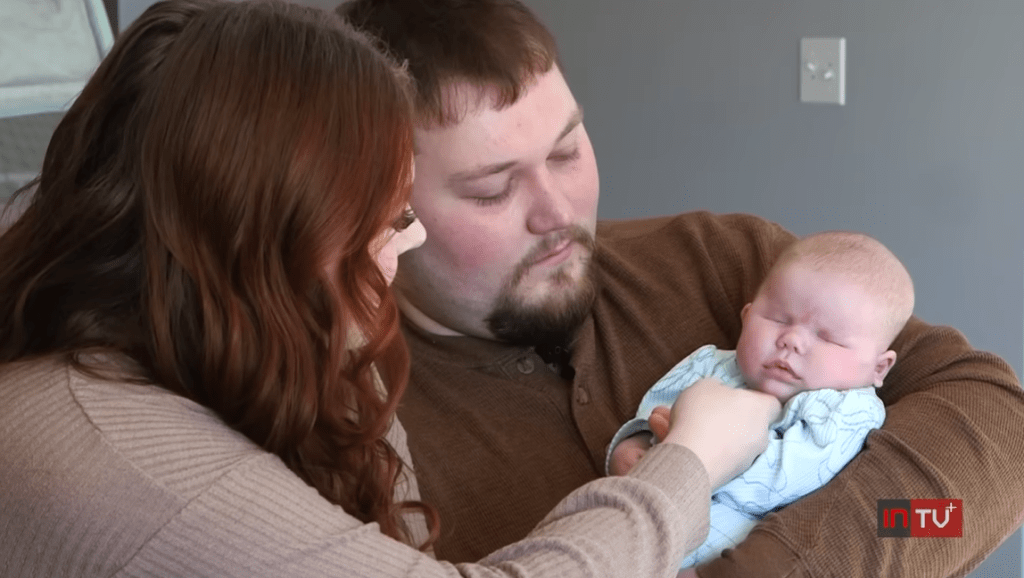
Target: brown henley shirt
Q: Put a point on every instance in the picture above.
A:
(497, 437)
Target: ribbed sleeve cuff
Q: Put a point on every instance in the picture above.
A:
(678, 472)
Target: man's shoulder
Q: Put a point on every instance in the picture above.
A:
(701, 236)
(693, 223)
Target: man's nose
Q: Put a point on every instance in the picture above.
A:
(551, 209)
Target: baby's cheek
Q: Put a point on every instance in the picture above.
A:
(746, 358)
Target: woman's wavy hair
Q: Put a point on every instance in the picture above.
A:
(206, 207)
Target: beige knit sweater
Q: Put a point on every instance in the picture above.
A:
(103, 478)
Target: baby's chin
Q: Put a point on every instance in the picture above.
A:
(780, 390)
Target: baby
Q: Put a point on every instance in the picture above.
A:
(817, 337)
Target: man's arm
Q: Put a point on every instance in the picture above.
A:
(953, 430)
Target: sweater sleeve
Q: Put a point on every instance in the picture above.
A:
(261, 520)
(952, 430)
(104, 478)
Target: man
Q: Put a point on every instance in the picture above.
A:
(535, 330)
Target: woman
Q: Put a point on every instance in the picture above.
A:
(193, 310)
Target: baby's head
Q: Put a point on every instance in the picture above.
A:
(825, 316)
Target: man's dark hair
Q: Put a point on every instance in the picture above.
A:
(497, 46)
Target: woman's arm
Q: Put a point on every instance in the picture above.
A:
(129, 480)
(261, 520)
(132, 480)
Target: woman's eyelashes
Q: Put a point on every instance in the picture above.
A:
(407, 218)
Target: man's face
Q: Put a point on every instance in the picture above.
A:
(509, 201)
(810, 329)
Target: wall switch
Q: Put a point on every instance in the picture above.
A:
(823, 70)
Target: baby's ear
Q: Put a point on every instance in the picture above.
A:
(743, 312)
(883, 364)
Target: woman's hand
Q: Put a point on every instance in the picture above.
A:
(725, 427)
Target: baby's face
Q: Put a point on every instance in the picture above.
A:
(808, 330)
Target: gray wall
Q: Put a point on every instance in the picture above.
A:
(129, 10)
(695, 105)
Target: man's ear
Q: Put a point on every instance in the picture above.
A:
(883, 364)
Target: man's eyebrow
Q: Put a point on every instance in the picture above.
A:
(574, 121)
(480, 172)
(493, 169)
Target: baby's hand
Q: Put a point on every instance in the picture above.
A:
(628, 453)
(687, 573)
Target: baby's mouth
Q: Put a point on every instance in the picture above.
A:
(784, 367)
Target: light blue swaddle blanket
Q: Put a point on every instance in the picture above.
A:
(819, 432)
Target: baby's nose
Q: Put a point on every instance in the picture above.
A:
(791, 340)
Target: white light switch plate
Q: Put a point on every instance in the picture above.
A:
(823, 70)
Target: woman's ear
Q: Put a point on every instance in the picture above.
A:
(883, 364)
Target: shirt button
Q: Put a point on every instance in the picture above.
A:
(582, 395)
(525, 366)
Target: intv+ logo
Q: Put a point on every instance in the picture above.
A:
(920, 518)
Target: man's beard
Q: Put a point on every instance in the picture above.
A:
(552, 322)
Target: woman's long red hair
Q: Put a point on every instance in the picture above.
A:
(206, 207)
